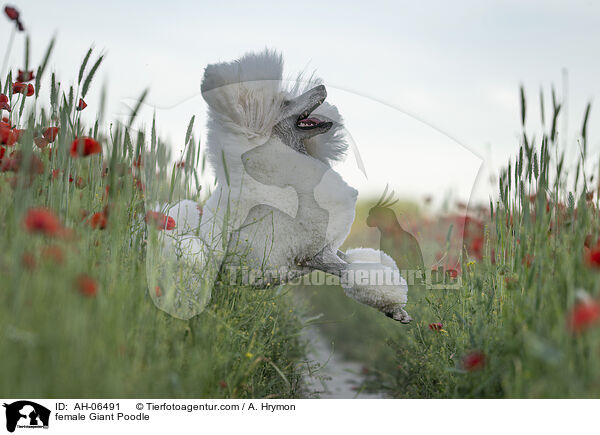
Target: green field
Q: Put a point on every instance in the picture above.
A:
(77, 319)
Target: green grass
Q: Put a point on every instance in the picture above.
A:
(56, 341)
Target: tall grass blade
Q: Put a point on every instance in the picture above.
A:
(584, 128)
(27, 53)
(90, 76)
(225, 166)
(136, 109)
(188, 133)
(83, 65)
(523, 105)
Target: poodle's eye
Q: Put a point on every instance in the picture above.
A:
(286, 102)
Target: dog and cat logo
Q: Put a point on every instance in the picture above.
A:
(25, 414)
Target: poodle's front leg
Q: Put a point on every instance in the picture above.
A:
(387, 297)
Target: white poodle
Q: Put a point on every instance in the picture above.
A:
(278, 210)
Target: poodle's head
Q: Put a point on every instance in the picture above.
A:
(296, 125)
(248, 97)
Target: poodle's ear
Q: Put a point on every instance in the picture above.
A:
(245, 88)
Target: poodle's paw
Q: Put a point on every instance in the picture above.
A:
(400, 315)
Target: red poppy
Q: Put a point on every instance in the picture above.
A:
(452, 273)
(50, 133)
(222, 384)
(87, 286)
(53, 253)
(583, 315)
(42, 220)
(180, 164)
(157, 291)
(593, 257)
(98, 220)
(23, 88)
(11, 13)
(474, 361)
(436, 326)
(19, 88)
(85, 146)
(2, 151)
(40, 142)
(81, 105)
(4, 103)
(161, 221)
(9, 136)
(25, 76)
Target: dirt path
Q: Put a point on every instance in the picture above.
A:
(330, 375)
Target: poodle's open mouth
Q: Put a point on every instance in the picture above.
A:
(306, 123)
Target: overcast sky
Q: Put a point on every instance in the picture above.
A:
(429, 90)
